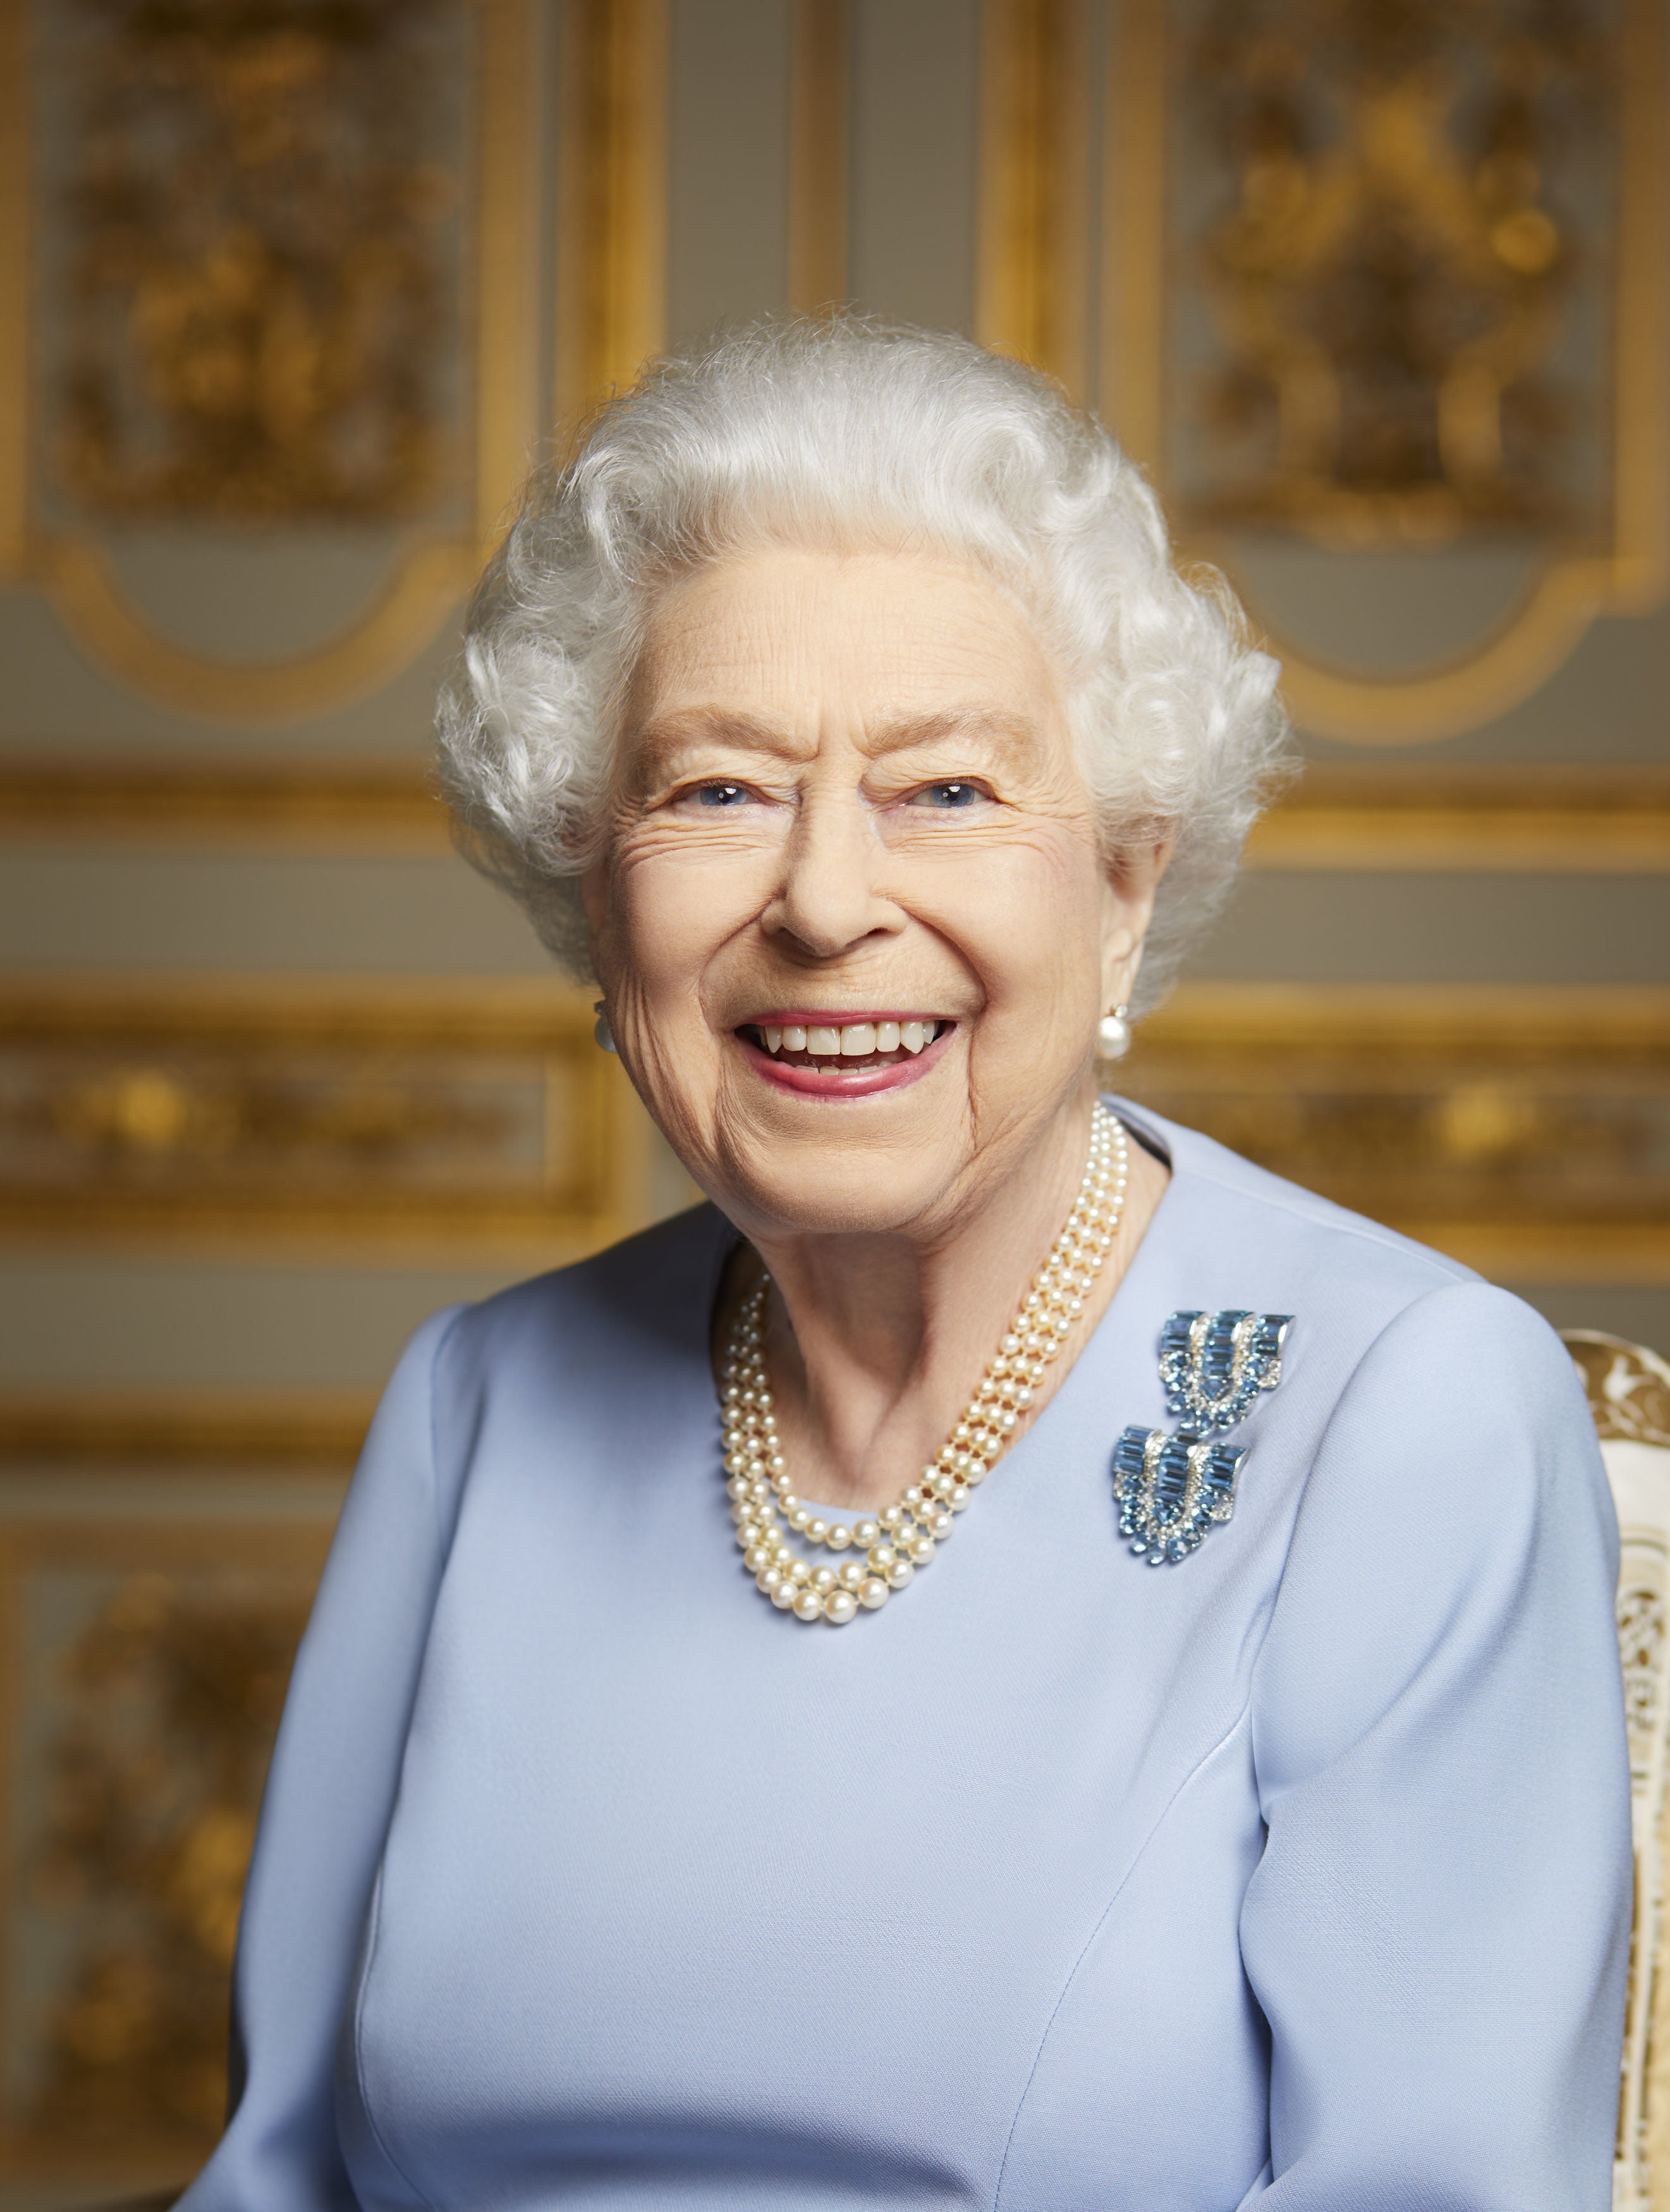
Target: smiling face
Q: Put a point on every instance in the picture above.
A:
(851, 920)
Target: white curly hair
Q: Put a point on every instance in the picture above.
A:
(847, 433)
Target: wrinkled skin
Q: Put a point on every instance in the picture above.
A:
(846, 784)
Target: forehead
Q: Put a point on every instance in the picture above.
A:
(790, 637)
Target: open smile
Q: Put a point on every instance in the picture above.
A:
(843, 1055)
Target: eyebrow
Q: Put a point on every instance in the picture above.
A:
(692, 726)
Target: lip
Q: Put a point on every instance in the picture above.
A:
(827, 1017)
(844, 1083)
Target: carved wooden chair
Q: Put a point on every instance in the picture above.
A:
(1629, 1393)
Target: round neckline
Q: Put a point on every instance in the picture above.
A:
(1156, 1141)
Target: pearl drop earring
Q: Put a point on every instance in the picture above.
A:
(1112, 1035)
(601, 1028)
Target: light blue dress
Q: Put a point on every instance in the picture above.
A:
(1294, 1875)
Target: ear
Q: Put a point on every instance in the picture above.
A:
(1127, 907)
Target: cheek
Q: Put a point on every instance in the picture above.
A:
(672, 905)
(1024, 914)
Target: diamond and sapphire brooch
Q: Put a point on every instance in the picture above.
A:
(1171, 1487)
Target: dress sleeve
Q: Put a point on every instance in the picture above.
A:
(1438, 1928)
(325, 1818)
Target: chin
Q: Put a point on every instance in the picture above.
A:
(836, 1190)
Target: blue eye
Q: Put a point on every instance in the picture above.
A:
(947, 795)
(721, 794)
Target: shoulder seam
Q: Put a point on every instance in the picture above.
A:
(443, 1337)
(1353, 1224)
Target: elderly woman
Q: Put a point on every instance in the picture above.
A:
(1215, 1794)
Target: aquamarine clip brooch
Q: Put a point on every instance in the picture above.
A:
(1214, 1365)
(1171, 1488)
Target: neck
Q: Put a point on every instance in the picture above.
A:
(875, 1342)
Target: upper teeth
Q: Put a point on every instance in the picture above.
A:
(855, 1041)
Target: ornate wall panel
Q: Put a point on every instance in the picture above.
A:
(276, 267)
(363, 1118)
(144, 1664)
(1388, 286)
(1526, 1132)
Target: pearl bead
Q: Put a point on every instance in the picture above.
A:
(906, 1535)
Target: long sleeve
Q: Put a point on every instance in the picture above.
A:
(1438, 1930)
(330, 1793)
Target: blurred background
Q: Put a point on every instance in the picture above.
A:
(290, 293)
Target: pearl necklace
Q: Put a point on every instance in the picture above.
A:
(906, 1535)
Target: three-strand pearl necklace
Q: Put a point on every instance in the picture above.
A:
(905, 1535)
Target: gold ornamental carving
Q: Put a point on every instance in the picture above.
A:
(269, 270)
(153, 1652)
(1523, 1130)
(262, 1115)
(1628, 1386)
(256, 308)
(1390, 279)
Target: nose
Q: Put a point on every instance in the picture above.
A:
(830, 896)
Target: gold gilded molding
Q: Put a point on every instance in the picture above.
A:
(371, 805)
(1627, 1386)
(13, 288)
(1132, 351)
(339, 1115)
(1534, 819)
(428, 580)
(819, 107)
(612, 288)
(423, 591)
(141, 1430)
(1574, 584)
(1523, 1131)
(145, 1663)
(509, 417)
(1031, 278)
